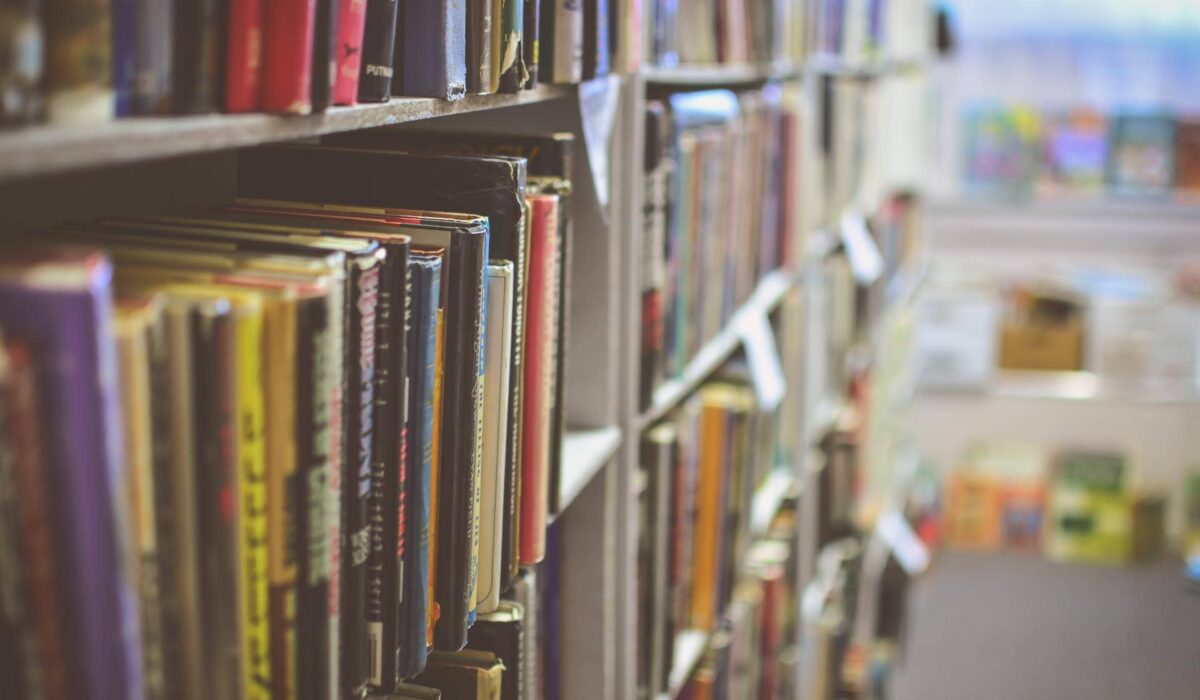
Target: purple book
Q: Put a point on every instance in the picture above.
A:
(61, 304)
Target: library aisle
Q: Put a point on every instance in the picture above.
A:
(1017, 627)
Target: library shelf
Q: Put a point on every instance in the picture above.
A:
(584, 455)
(868, 69)
(1068, 386)
(768, 295)
(45, 150)
(700, 75)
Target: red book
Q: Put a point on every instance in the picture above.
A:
(243, 55)
(352, 15)
(540, 340)
(287, 56)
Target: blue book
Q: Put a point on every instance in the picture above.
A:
(425, 272)
(124, 52)
(434, 49)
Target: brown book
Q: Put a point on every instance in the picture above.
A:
(464, 675)
(1187, 156)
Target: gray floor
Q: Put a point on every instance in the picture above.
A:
(1018, 627)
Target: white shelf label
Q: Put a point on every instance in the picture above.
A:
(866, 263)
(762, 355)
(908, 549)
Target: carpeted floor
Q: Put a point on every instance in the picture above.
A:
(1018, 627)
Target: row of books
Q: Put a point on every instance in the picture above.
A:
(700, 470)
(721, 168)
(732, 32)
(85, 60)
(293, 447)
(1021, 152)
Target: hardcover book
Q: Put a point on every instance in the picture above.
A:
(560, 33)
(243, 54)
(1142, 155)
(155, 38)
(79, 50)
(434, 53)
(352, 15)
(481, 25)
(324, 53)
(196, 68)
(495, 487)
(288, 56)
(376, 81)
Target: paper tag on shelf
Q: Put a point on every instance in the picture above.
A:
(762, 355)
(866, 263)
(908, 549)
(598, 101)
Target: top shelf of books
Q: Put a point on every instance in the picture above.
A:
(43, 150)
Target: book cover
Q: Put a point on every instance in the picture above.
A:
(501, 633)
(561, 37)
(288, 56)
(324, 53)
(62, 304)
(22, 68)
(243, 54)
(1075, 152)
(524, 593)
(653, 260)
(124, 48)
(481, 24)
(498, 353)
(510, 49)
(597, 40)
(1142, 154)
(376, 80)
(78, 75)
(197, 64)
(426, 274)
(155, 39)
(352, 16)
(1187, 156)
(464, 674)
(435, 52)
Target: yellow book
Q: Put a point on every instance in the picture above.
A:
(434, 610)
(707, 534)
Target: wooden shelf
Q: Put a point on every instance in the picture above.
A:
(584, 454)
(43, 150)
(715, 75)
(715, 352)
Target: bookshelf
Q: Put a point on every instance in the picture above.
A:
(146, 165)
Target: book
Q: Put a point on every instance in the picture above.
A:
(540, 336)
(287, 56)
(324, 53)
(653, 261)
(379, 44)
(434, 53)
(17, 643)
(466, 674)
(243, 54)
(352, 15)
(62, 303)
(480, 27)
(1076, 152)
(153, 83)
(22, 71)
(124, 48)
(1187, 156)
(417, 692)
(495, 487)
(501, 633)
(658, 456)
(531, 42)
(1142, 154)
(426, 275)
(196, 64)
(136, 321)
(597, 39)
(510, 46)
(78, 75)
(525, 594)
(560, 35)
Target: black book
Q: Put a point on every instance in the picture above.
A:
(597, 48)
(324, 54)
(197, 74)
(216, 468)
(479, 47)
(378, 47)
(503, 633)
(152, 57)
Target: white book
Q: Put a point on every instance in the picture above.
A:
(496, 388)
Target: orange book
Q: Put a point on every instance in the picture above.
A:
(974, 511)
(541, 339)
(707, 534)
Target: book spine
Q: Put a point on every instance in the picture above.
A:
(356, 488)
(197, 62)
(152, 67)
(313, 410)
(243, 55)
(653, 262)
(435, 62)
(18, 674)
(479, 46)
(324, 54)
(21, 76)
(79, 61)
(511, 45)
(378, 49)
(282, 505)
(288, 56)
(252, 509)
(597, 50)
(403, 572)
(124, 48)
(382, 576)
(38, 529)
(352, 15)
(530, 40)
(435, 612)
(565, 58)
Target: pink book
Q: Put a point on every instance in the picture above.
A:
(351, 17)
